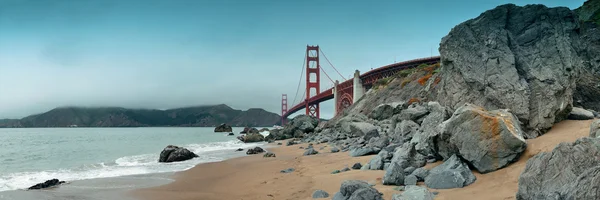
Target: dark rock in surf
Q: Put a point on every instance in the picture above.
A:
(223, 128)
(174, 153)
(46, 184)
(255, 150)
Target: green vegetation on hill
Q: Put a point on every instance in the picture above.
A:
(199, 116)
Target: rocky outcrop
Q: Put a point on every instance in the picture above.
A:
(296, 128)
(507, 59)
(251, 137)
(255, 150)
(223, 128)
(595, 129)
(174, 153)
(248, 130)
(453, 173)
(46, 184)
(414, 193)
(357, 190)
(563, 172)
(488, 140)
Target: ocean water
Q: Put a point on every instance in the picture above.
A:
(32, 155)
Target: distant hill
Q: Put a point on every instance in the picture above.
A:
(199, 116)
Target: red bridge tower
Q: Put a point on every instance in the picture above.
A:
(312, 59)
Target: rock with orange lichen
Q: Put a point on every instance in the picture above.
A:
(487, 140)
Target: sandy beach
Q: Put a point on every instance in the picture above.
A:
(255, 177)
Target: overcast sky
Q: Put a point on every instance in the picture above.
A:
(167, 54)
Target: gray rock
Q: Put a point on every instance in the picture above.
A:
(269, 154)
(335, 171)
(413, 112)
(306, 127)
(488, 140)
(366, 194)
(363, 151)
(554, 175)
(251, 137)
(376, 163)
(414, 193)
(174, 153)
(595, 129)
(580, 114)
(323, 147)
(291, 142)
(335, 150)
(288, 170)
(585, 187)
(383, 111)
(310, 151)
(409, 170)
(338, 196)
(394, 175)
(365, 167)
(345, 169)
(255, 150)
(319, 194)
(350, 186)
(404, 131)
(430, 128)
(506, 58)
(410, 180)
(453, 173)
(360, 129)
(356, 166)
(379, 142)
(420, 173)
(46, 184)
(407, 156)
(386, 165)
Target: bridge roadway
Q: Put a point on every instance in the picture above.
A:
(367, 79)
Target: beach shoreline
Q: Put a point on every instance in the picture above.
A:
(255, 177)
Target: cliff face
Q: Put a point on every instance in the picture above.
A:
(536, 61)
(201, 116)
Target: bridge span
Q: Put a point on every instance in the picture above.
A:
(345, 93)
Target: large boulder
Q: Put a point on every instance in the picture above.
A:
(453, 173)
(585, 187)
(360, 129)
(562, 172)
(412, 192)
(414, 112)
(363, 151)
(404, 131)
(251, 137)
(488, 140)
(595, 129)
(580, 114)
(174, 153)
(430, 128)
(46, 184)
(525, 59)
(223, 128)
(357, 190)
(394, 175)
(386, 111)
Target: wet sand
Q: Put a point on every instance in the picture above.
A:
(258, 178)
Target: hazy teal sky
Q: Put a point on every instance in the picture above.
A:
(166, 54)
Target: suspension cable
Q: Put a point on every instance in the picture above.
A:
(300, 81)
(322, 52)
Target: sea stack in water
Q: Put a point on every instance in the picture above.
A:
(223, 128)
(47, 184)
(174, 153)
